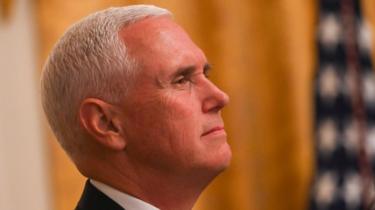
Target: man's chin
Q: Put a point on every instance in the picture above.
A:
(226, 163)
(222, 161)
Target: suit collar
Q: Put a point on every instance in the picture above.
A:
(93, 199)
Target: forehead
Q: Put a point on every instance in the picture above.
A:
(159, 43)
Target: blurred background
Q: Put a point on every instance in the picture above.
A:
(300, 121)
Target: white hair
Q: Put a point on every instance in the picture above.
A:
(89, 60)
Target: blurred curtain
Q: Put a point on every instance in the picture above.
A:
(263, 53)
(24, 178)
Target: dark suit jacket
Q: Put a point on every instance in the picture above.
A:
(93, 199)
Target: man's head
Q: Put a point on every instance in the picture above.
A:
(142, 98)
(173, 109)
(90, 60)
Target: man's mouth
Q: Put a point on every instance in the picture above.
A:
(214, 130)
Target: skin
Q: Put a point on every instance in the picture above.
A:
(165, 141)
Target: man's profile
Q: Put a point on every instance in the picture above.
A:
(126, 93)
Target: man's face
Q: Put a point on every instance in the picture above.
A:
(172, 118)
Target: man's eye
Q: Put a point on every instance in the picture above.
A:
(206, 74)
(182, 80)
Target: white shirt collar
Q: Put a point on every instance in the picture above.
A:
(126, 201)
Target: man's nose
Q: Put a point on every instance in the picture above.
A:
(215, 99)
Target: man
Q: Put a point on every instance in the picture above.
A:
(127, 94)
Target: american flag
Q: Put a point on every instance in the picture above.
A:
(344, 95)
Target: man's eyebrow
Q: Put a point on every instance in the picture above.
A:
(185, 71)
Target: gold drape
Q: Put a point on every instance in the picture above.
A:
(6, 7)
(263, 53)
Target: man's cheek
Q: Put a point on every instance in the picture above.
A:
(180, 108)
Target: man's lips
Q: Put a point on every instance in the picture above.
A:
(214, 129)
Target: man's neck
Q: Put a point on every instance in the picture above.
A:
(165, 191)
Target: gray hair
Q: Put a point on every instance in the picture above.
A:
(89, 60)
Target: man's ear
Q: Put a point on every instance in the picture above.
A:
(102, 121)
